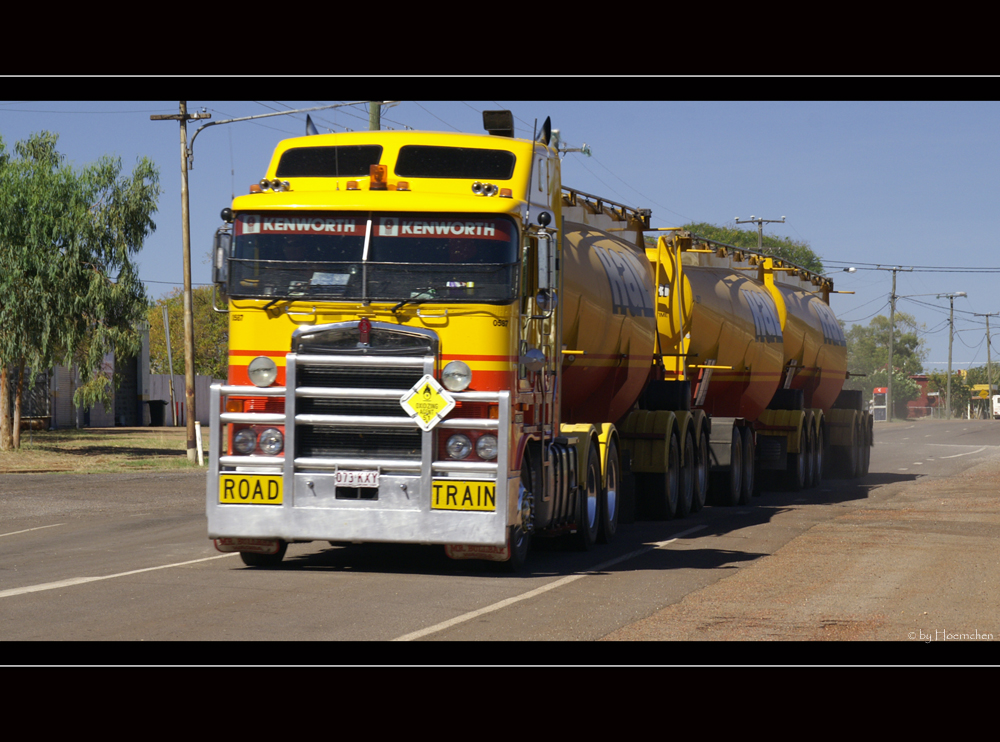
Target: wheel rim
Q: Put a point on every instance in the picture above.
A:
(611, 498)
(687, 494)
(593, 486)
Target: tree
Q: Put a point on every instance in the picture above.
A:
(868, 354)
(69, 289)
(961, 390)
(785, 248)
(211, 340)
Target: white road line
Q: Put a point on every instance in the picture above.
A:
(81, 580)
(969, 453)
(38, 528)
(538, 591)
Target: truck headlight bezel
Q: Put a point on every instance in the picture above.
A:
(456, 376)
(262, 371)
(458, 446)
(245, 441)
(271, 441)
(487, 447)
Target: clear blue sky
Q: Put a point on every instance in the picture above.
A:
(863, 183)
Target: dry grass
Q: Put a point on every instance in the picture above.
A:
(93, 450)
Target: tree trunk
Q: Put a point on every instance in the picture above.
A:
(6, 443)
(18, 393)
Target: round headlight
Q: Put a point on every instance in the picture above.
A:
(486, 447)
(271, 441)
(456, 376)
(245, 441)
(459, 446)
(262, 371)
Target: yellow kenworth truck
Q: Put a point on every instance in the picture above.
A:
(433, 341)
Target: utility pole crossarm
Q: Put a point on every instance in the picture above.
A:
(760, 227)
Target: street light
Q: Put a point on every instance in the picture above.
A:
(951, 335)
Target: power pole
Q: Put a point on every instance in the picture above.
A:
(951, 338)
(374, 115)
(760, 227)
(892, 335)
(183, 117)
(989, 362)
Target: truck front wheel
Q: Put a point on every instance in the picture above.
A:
(253, 559)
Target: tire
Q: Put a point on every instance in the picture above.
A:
(663, 490)
(810, 455)
(519, 543)
(610, 496)
(817, 468)
(730, 496)
(253, 559)
(701, 477)
(518, 540)
(588, 510)
(747, 475)
(798, 464)
(688, 474)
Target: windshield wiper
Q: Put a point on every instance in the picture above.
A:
(417, 299)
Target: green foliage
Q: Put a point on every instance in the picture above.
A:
(977, 375)
(211, 334)
(868, 353)
(785, 248)
(69, 289)
(961, 390)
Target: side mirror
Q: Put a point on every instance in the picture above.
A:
(221, 246)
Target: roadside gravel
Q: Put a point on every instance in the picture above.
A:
(917, 561)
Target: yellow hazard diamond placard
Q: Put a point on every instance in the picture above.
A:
(427, 402)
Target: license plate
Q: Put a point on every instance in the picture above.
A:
(250, 489)
(359, 478)
(454, 494)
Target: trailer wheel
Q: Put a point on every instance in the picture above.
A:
(588, 509)
(663, 490)
(810, 456)
(252, 559)
(817, 468)
(798, 464)
(610, 498)
(701, 477)
(685, 494)
(730, 496)
(746, 479)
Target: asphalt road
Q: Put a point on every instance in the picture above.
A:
(125, 558)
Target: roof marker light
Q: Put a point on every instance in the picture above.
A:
(378, 175)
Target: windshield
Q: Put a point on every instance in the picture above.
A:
(375, 256)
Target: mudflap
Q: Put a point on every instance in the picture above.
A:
(478, 551)
(252, 545)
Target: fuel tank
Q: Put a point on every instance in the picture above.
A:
(745, 326)
(736, 345)
(815, 346)
(609, 314)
